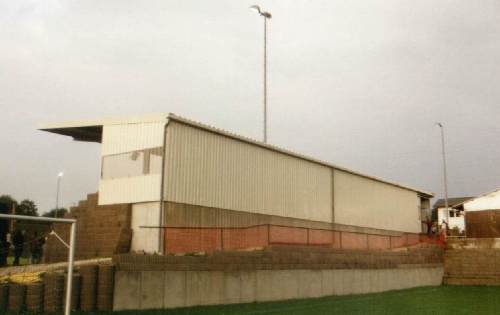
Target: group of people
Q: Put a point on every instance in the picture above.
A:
(17, 243)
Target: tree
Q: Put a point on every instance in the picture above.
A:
(6, 203)
(27, 207)
(52, 213)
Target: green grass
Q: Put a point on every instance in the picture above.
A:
(428, 300)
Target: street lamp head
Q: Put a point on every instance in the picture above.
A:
(257, 9)
(61, 174)
(439, 124)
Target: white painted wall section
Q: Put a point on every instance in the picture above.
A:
(145, 239)
(123, 138)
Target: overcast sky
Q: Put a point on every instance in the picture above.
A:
(356, 83)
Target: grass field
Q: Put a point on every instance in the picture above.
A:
(429, 300)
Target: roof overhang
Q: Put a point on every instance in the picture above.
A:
(91, 130)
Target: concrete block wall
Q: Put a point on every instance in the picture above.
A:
(170, 289)
(472, 262)
(101, 231)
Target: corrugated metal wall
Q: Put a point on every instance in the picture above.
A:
(368, 203)
(123, 138)
(207, 169)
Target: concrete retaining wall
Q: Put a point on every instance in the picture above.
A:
(169, 289)
(472, 261)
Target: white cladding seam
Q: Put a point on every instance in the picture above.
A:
(207, 169)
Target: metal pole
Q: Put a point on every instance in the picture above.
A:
(265, 79)
(57, 194)
(71, 257)
(445, 176)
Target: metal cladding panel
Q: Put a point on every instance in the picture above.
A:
(130, 189)
(368, 203)
(204, 168)
(129, 137)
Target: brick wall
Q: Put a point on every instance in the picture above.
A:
(207, 239)
(101, 231)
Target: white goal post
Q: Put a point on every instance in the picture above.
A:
(71, 253)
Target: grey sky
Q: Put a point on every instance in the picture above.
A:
(356, 83)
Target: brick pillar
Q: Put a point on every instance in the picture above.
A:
(88, 291)
(34, 297)
(105, 287)
(17, 295)
(4, 296)
(53, 292)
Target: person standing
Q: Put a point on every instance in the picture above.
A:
(18, 242)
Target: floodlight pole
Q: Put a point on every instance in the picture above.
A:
(266, 16)
(445, 177)
(59, 177)
(71, 253)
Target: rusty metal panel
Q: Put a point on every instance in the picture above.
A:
(209, 169)
(482, 224)
(361, 201)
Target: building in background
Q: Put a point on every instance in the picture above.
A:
(455, 215)
(193, 187)
(482, 215)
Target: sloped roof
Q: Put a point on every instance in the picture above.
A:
(92, 131)
(452, 202)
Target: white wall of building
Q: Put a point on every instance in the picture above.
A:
(365, 202)
(123, 139)
(145, 239)
(453, 221)
(489, 201)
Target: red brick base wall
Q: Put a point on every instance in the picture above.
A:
(189, 240)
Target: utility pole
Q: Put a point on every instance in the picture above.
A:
(266, 16)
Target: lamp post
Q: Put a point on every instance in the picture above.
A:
(266, 16)
(59, 178)
(445, 178)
